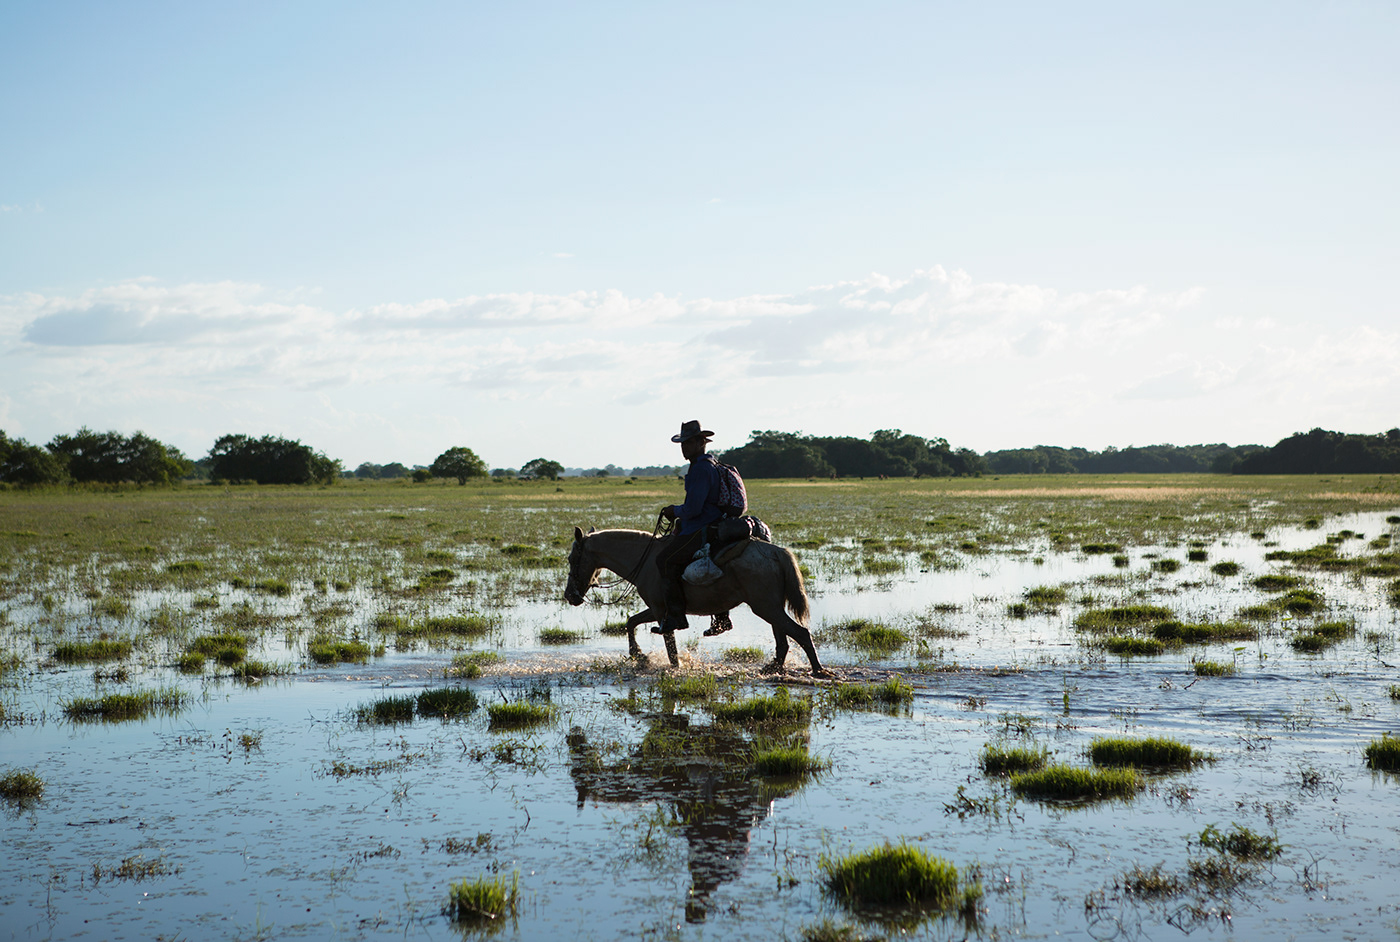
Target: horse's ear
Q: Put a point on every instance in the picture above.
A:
(592, 529)
(578, 535)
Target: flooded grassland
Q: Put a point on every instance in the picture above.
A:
(1136, 707)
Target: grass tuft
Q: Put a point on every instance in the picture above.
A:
(484, 899)
(780, 707)
(116, 707)
(892, 693)
(387, 711)
(1383, 754)
(324, 649)
(1109, 620)
(998, 759)
(1226, 568)
(689, 689)
(469, 666)
(1133, 647)
(1154, 752)
(21, 787)
(1241, 842)
(519, 714)
(742, 655)
(1067, 783)
(95, 651)
(447, 702)
(896, 875)
(1214, 669)
(560, 636)
(787, 761)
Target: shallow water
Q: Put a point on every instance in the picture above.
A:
(267, 842)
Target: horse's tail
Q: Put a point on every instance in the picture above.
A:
(794, 590)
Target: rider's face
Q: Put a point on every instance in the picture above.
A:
(692, 447)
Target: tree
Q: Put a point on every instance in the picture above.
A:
(111, 458)
(270, 460)
(368, 470)
(394, 469)
(460, 463)
(23, 463)
(541, 468)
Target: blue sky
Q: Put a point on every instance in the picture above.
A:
(548, 229)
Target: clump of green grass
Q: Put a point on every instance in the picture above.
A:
(1100, 549)
(469, 666)
(190, 663)
(1045, 596)
(1166, 565)
(273, 586)
(878, 640)
(742, 655)
(227, 648)
(95, 651)
(613, 629)
(1394, 691)
(1258, 612)
(519, 714)
(21, 787)
(1001, 759)
(185, 567)
(387, 711)
(324, 649)
(891, 693)
(1175, 632)
(881, 566)
(436, 627)
(692, 688)
(1197, 555)
(780, 707)
(560, 636)
(786, 761)
(1127, 646)
(447, 702)
(1152, 883)
(1121, 561)
(257, 670)
(1275, 582)
(1383, 754)
(1123, 616)
(897, 875)
(1067, 783)
(1205, 668)
(484, 899)
(1226, 568)
(116, 707)
(1241, 842)
(1301, 601)
(1157, 752)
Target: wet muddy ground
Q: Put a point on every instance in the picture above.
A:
(268, 810)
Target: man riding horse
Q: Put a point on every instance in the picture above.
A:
(693, 519)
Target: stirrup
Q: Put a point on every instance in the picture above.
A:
(719, 624)
(676, 624)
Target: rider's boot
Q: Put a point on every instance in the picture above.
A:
(674, 619)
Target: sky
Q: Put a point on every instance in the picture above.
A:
(559, 230)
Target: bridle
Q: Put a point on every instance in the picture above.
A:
(663, 528)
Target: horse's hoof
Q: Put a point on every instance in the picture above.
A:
(772, 667)
(823, 674)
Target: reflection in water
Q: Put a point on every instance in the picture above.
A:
(704, 773)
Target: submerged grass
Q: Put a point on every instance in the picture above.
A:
(786, 761)
(692, 688)
(1108, 620)
(469, 666)
(1068, 783)
(1128, 646)
(1240, 842)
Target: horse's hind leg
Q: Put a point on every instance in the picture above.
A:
(784, 628)
(780, 651)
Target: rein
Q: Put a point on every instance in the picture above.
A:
(663, 527)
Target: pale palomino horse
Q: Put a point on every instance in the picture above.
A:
(764, 576)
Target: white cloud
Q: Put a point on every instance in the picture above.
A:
(984, 363)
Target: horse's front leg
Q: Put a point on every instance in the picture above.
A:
(634, 650)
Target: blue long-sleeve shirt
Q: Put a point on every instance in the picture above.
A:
(701, 507)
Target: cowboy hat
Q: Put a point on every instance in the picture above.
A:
(691, 430)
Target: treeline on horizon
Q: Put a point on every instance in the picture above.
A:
(113, 458)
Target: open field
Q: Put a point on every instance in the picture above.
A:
(236, 706)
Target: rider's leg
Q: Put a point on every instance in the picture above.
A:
(671, 561)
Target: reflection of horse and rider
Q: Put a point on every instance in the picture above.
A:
(702, 773)
(754, 572)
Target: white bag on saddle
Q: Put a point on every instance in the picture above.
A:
(703, 571)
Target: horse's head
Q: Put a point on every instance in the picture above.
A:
(583, 570)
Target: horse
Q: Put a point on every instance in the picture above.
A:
(763, 576)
